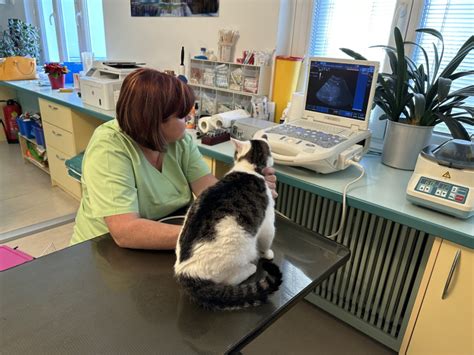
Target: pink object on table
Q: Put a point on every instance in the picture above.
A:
(10, 257)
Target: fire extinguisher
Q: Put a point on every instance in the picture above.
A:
(10, 112)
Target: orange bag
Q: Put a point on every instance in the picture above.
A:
(17, 68)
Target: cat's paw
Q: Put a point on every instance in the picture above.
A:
(267, 254)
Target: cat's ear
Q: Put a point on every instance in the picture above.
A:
(238, 145)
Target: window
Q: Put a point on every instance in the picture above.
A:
(356, 25)
(66, 28)
(360, 24)
(364, 23)
(455, 20)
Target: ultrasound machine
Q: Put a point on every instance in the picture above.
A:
(333, 130)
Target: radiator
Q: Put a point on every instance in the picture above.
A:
(376, 289)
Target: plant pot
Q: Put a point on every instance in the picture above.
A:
(57, 82)
(403, 143)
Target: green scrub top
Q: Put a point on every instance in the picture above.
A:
(117, 178)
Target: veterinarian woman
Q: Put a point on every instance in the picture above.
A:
(142, 166)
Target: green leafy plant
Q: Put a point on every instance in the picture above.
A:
(20, 39)
(420, 95)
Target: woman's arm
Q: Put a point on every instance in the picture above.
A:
(271, 180)
(130, 231)
(203, 183)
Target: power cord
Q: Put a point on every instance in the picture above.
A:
(170, 218)
(344, 197)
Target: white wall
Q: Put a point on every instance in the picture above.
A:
(157, 41)
(12, 9)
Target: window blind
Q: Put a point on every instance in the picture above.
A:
(352, 24)
(455, 20)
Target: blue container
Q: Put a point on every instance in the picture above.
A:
(73, 67)
(39, 135)
(25, 127)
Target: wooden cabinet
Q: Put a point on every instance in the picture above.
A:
(445, 321)
(218, 168)
(67, 133)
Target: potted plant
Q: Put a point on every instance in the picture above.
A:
(416, 98)
(56, 74)
(21, 39)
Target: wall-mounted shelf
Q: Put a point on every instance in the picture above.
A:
(224, 86)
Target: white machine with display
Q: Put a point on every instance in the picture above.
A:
(101, 84)
(335, 121)
(443, 179)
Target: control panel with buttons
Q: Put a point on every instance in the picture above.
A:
(442, 190)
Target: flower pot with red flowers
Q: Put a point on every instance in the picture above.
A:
(56, 73)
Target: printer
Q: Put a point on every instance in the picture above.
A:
(100, 86)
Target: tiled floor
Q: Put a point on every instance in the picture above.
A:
(43, 243)
(26, 197)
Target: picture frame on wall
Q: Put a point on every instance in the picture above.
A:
(174, 8)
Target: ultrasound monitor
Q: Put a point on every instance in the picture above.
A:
(340, 90)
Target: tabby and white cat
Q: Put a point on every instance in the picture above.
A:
(227, 228)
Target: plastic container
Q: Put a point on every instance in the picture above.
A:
(225, 52)
(39, 135)
(73, 67)
(287, 70)
(25, 127)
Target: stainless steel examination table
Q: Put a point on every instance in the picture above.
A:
(95, 297)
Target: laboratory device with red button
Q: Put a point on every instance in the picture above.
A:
(443, 179)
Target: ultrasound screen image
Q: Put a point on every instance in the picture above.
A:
(339, 89)
(335, 93)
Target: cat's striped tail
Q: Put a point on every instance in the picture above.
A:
(213, 296)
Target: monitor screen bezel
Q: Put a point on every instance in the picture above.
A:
(340, 120)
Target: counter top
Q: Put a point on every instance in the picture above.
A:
(68, 99)
(381, 191)
(96, 297)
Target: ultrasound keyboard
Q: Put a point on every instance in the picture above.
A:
(320, 138)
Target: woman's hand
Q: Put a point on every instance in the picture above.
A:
(270, 178)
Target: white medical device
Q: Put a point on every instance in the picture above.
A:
(100, 87)
(443, 179)
(245, 128)
(335, 121)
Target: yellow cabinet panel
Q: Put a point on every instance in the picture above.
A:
(59, 139)
(208, 161)
(445, 324)
(59, 173)
(218, 169)
(55, 114)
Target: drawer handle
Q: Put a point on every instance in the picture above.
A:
(52, 107)
(57, 134)
(62, 159)
(451, 273)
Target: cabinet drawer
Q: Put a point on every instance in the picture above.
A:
(55, 114)
(59, 139)
(59, 174)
